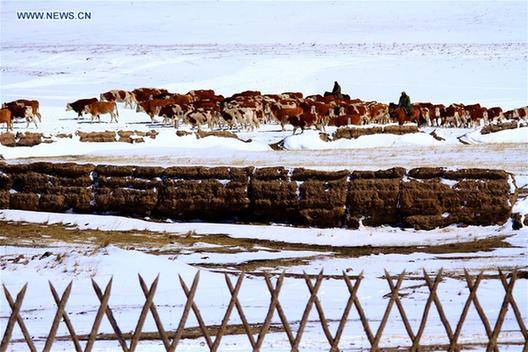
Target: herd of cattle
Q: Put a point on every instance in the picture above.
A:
(249, 109)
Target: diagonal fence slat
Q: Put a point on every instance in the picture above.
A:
(439, 307)
(227, 314)
(384, 320)
(515, 308)
(492, 346)
(186, 311)
(478, 307)
(399, 305)
(67, 321)
(143, 314)
(213, 335)
(15, 318)
(155, 315)
(58, 315)
(241, 313)
(320, 312)
(271, 310)
(111, 319)
(307, 309)
(473, 287)
(281, 314)
(346, 312)
(197, 314)
(416, 341)
(99, 315)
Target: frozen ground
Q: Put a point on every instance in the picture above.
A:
(472, 51)
(436, 51)
(66, 260)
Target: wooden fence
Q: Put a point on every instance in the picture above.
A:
(257, 333)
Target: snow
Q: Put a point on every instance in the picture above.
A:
(227, 259)
(517, 135)
(441, 52)
(272, 47)
(166, 143)
(365, 236)
(310, 140)
(81, 265)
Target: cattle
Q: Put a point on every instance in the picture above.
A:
(351, 109)
(102, 107)
(152, 107)
(522, 113)
(282, 115)
(80, 105)
(495, 114)
(379, 113)
(428, 111)
(399, 114)
(197, 118)
(307, 119)
(144, 94)
(119, 96)
(246, 117)
(323, 112)
(292, 95)
(171, 113)
(34, 104)
(516, 114)
(345, 120)
(202, 94)
(247, 94)
(451, 116)
(20, 111)
(5, 117)
(475, 115)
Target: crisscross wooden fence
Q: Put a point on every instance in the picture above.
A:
(257, 333)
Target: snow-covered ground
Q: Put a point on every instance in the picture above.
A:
(445, 52)
(437, 51)
(81, 263)
(366, 236)
(442, 52)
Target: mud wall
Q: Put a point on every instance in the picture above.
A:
(423, 198)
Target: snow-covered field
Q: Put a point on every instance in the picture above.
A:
(81, 263)
(440, 52)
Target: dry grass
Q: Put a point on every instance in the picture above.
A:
(39, 235)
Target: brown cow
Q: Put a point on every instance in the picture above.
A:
(284, 114)
(119, 96)
(171, 113)
(143, 94)
(152, 107)
(379, 113)
(103, 107)
(307, 119)
(5, 117)
(495, 114)
(522, 113)
(79, 105)
(247, 94)
(34, 104)
(399, 114)
(345, 120)
(201, 94)
(20, 111)
(453, 115)
(475, 115)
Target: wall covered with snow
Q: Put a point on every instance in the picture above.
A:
(423, 198)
